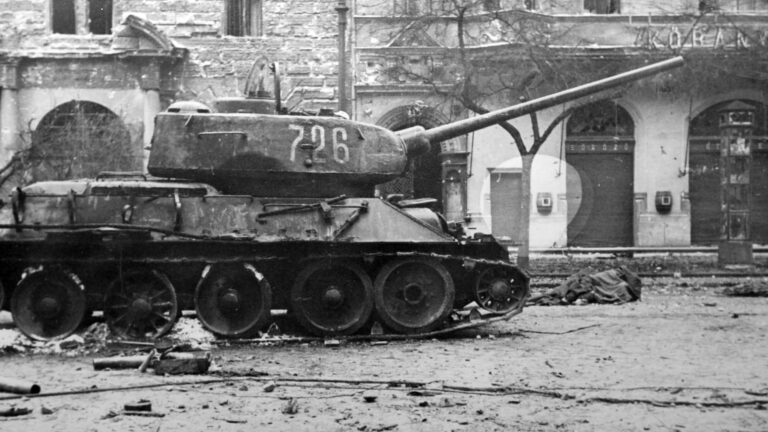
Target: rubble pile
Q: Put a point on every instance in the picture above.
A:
(95, 337)
(13, 341)
(190, 330)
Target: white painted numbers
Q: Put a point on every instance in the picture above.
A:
(316, 142)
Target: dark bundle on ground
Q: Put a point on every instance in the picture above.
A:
(617, 286)
(748, 289)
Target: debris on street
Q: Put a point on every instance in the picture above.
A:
(172, 363)
(14, 412)
(757, 288)
(14, 385)
(617, 286)
(180, 366)
(291, 407)
(140, 405)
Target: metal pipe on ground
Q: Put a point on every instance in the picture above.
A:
(14, 385)
(133, 362)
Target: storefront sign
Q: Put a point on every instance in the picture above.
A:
(702, 36)
(623, 146)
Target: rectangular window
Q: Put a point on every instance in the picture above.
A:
(63, 16)
(733, 5)
(243, 18)
(602, 6)
(419, 7)
(100, 16)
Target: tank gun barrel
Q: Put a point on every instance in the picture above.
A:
(417, 137)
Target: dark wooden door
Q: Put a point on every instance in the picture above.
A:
(506, 192)
(759, 184)
(604, 218)
(704, 195)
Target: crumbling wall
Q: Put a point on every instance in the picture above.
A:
(299, 34)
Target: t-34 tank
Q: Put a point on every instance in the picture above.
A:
(249, 210)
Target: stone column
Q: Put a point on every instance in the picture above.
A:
(150, 84)
(9, 112)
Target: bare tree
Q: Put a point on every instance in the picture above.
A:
(514, 54)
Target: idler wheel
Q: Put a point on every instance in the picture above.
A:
(48, 304)
(140, 304)
(233, 300)
(332, 297)
(413, 295)
(500, 289)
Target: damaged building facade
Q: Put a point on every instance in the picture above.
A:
(637, 167)
(83, 79)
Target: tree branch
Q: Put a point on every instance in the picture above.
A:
(551, 127)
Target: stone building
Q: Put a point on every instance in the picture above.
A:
(637, 167)
(78, 68)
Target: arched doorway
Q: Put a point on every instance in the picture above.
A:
(80, 139)
(704, 175)
(423, 178)
(600, 143)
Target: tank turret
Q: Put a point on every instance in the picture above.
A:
(240, 150)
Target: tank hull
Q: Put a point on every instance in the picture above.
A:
(223, 254)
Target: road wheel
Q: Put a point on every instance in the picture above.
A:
(233, 300)
(500, 289)
(413, 295)
(48, 304)
(332, 297)
(140, 304)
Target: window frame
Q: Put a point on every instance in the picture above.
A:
(54, 12)
(255, 25)
(109, 15)
(612, 7)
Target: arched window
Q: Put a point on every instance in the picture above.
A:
(80, 139)
(423, 178)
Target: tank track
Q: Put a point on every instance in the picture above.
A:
(466, 318)
(206, 252)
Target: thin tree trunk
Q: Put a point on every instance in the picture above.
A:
(525, 212)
